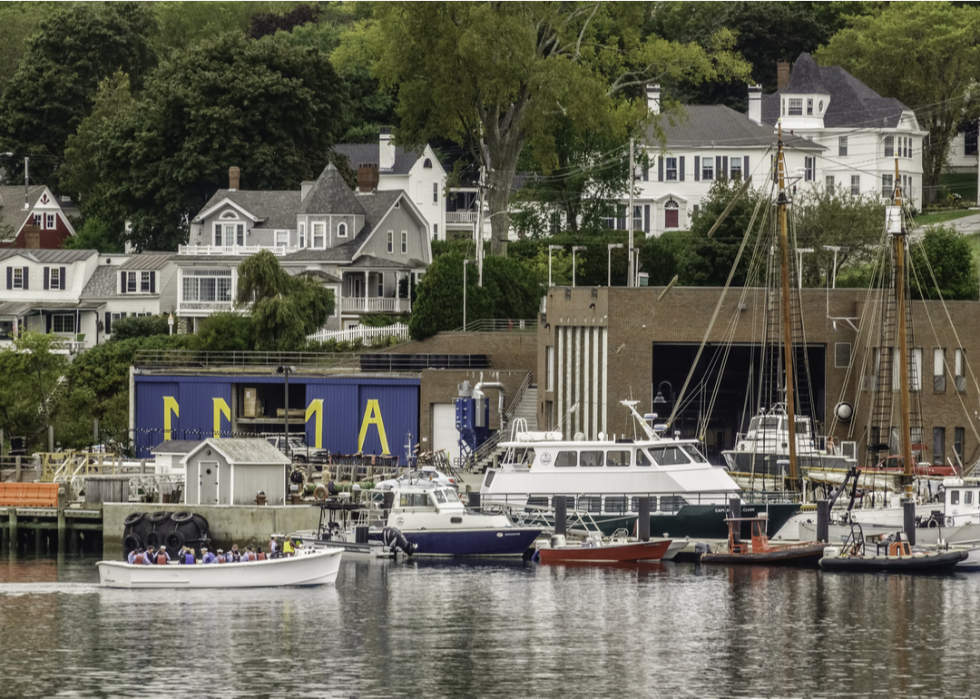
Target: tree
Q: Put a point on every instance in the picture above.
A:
(225, 332)
(55, 86)
(284, 309)
(31, 393)
(493, 77)
(925, 54)
(943, 257)
(266, 106)
(95, 234)
(510, 290)
(268, 23)
(140, 326)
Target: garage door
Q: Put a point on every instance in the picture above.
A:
(444, 434)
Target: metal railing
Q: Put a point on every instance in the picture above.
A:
(369, 304)
(518, 397)
(499, 325)
(460, 217)
(361, 333)
(233, 249)
(192, 360)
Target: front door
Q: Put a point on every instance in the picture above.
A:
(207, 482)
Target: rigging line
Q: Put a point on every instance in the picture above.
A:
(714, 316)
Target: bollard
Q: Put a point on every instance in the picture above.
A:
(561, 515)
(643, 519)
(735, 511)
(909, 507)
(823, 521)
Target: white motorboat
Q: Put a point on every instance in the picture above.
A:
(344, 525)
(303, 569)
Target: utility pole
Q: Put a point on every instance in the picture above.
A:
(629, 214)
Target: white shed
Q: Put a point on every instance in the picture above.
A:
(234, 471)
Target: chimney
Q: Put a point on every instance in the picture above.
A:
(367, 178)
(305, 188)
(386, 149)
(653, 98)
(234, 176)
(755, 103)
(782, 74)
(32, 237)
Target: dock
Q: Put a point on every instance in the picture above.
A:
(36, 517)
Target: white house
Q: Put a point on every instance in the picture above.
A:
(131, 285)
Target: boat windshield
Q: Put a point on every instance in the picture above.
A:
(414, 500)
(452, 497)
(669, 456)
(693, 452)
(440, 498)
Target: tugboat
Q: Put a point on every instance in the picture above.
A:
(759, 551)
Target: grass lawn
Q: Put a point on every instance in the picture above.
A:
(941, 217)
(962, 183)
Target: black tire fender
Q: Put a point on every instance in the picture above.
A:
(158, 517)
(180, 517)
(131, 542)
(153, 538)
(134, 518)
(174, 540)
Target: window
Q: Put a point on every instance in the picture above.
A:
(130, 282)
(796, 106)
(736, 168)
(939, 370)
(637, 218)
(842, 146)
(302, 235)
(913, 372)
(842, 355)
(590, 458)
(959, 434)
(829, 181)
(642, 459)
(63, 323)
(959, 371)
(282, 238)
(341, 230)
(319, 235)
(671, 167)
(49, 221)
(618, 458)
(427, 163)
(549, 368)
(855, 185)
(635, 504)
(810, 168)
(707, 168)
(889, 146)
(590, 503)
(54, 278)
(146, 282)
(435, 231)
(38, 219)
(809, 106)
(391, 241)
(404, 242)
(435, 192)
(207, 285)
(381, 284)
(616, 504)
(668, 456)
(887, 186)
(566, 458)
(938, 445)
(969, 146)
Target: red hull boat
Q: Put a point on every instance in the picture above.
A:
(592, 552)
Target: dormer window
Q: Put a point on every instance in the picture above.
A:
(427, 163)
(342, 230)
(796, 106)
(229, 234)
(809, 107)
(319, 235)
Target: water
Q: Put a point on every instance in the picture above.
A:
(441, 629)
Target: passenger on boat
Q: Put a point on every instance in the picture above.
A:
(208, 557)
(163, 558)
(287, 548)
(150, 556)
(250, 553)
(220, 558)
(273, 547)
(138, 558)
(131, 558)
(234, 556)
(260, 556)
(187, 556)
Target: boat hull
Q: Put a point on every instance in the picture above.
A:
(807, 555)
(316, 568)
(512, 541)
(633, 552)
(917, 563)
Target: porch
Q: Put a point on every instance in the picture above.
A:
(376, 291)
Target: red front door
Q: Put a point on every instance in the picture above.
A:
(670, 218)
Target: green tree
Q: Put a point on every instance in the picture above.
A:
(95, 234)
(55, 86)
(284, 309)
(926, 54)
(944, 257)
(266, 106)
(140, 326)
(18, 21)
(510, 289)
(182, 24)
(225, 332)
(32, 394)
(493, 77)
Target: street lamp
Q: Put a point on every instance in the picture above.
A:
(550, 248)
(285, 370)
(465, 262)
(574, 249)
(836, 249)
(609, 274)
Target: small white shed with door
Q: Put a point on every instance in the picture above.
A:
(234, 471)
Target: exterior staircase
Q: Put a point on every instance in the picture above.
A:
(524, 405)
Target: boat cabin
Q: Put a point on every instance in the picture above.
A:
(760, 540)
(604, 455)
(962, 501)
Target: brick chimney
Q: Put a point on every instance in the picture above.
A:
(367, 178)
(32, 237)
(234, 178)
(782, 74)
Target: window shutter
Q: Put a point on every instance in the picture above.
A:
(61, 278)
(718, 170)
(10, 277)
(745, 167)
(646, 218)
(660, 169)
(45, 278)
(108, 323)
(122, 282)
(27, 277)
(153, 282)
(697, 168)
(680, 176)
(646, 172)
(47, 323)
(724, 165)
(217, 234)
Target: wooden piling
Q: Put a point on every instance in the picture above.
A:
(38, 533)
(73, 541)
(17, 469)
(62, 502)
(12, 528)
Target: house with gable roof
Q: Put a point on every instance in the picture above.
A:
(34, 218)
(369, 247)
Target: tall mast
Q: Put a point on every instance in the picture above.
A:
(787, 327)
(903, 350)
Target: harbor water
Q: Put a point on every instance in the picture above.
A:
(415, 628)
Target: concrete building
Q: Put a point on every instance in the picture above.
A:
(234, 471)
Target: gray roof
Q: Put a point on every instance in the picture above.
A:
(852, 103)
(718, 126)
(275, 209)
(245, 451)
(12, 211)
(148, 260)
(317, 274)
(330, 195)
(176, 446)
(102, 283)
(373, 262)
(44, 256)
(369, 153)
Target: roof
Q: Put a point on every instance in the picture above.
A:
(276, 208)
(718, 126)
(330, 195)
(363, 153)
(852, 103)
(317, 274)
(12, 211)
(45, 256)
(377, 262)
(243, 451)
(175, 446)
(102, 283)
(148, 260)
(19, 308)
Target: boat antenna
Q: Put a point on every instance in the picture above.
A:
(782, 203)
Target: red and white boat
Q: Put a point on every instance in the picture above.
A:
(595, 550)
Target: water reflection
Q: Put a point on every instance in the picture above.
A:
(485, 628)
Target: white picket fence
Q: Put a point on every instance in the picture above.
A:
(362, 333)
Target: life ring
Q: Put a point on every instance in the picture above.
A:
(320, 492)
(133, 519)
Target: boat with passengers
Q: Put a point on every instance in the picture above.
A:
(607, 477)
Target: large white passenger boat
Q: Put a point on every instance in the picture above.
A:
(607, 477)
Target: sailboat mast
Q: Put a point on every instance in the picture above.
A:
(782, 203)
(903, 350)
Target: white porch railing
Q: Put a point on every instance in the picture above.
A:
(232, 249)
(362, 333)
(374, 304)
(460, 217)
